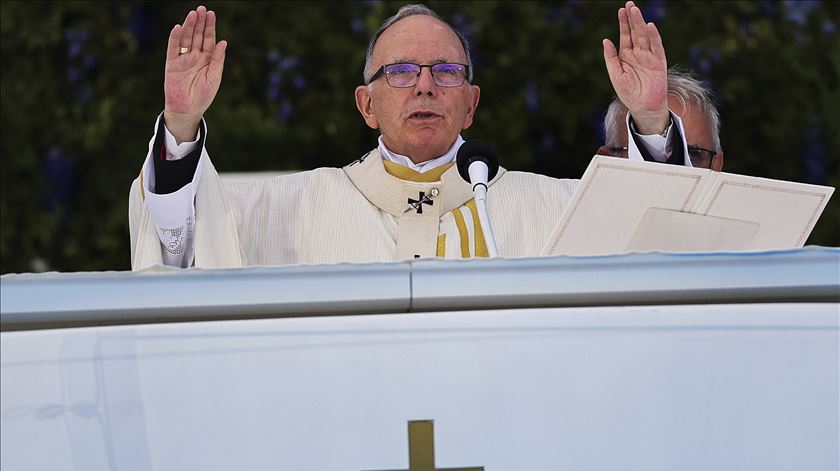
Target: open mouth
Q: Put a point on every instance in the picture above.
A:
(424, 115)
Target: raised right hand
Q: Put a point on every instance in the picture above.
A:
(192, 79)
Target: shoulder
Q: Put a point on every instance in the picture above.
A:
(535, 180)
(286, 183)
(322, 173)
(282, 177)
(533, 190)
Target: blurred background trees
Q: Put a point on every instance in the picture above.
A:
(82, 84)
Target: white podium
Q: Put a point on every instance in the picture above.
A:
(637, 362)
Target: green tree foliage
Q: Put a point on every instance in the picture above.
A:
(82, 85)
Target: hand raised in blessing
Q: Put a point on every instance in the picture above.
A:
(194, 64)
(638, 70)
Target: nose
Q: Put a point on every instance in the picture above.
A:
(425, 83)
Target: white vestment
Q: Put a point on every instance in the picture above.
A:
(357, 214)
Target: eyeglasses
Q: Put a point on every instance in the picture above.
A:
(403, 75)
(700, 157)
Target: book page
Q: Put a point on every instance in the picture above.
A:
(785, 211)
(611, 198)
(614, 195)
(676, 231)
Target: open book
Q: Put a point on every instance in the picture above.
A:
(622, 206)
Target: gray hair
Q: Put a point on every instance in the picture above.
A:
(404, 12)
(683, 86)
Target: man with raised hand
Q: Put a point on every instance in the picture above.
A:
(402, 200)
(689, 98)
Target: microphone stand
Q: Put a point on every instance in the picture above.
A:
(478, 176)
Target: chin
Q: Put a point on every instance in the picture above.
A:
(433, 143)
(423, 153)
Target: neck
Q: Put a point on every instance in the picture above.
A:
(447, 157)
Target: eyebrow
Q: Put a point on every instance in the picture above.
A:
(403, 60)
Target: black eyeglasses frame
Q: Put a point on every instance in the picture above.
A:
(381, 71)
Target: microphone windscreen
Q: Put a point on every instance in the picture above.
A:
(473, 150)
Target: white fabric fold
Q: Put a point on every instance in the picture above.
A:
(656, 145)
(175, 151)
(422, 167)
(173, 214)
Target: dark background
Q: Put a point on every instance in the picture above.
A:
(82, 83)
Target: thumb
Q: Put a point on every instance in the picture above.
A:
(611, 60)
(217, 59)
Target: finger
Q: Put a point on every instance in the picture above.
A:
(198, 32)
(209, 32)
(217, 61)
(656, 46)
(610, 53)
(624, 39)
(637, 29)
(172, 47)
(611, 61)
(187, 30)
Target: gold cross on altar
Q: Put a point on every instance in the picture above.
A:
(421, 448)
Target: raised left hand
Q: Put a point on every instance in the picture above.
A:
(638, 71)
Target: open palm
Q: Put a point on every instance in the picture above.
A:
(193, 73)
(638, 70)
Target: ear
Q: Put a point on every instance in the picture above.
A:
(474, 93)
(365, 106)
(717, 164)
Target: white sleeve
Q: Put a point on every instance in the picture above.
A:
(173, 213)
(175, 151)
(658, 146)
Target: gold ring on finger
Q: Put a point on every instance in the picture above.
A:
(184, 50)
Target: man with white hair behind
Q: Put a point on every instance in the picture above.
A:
(692, 101)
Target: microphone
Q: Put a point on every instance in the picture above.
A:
(471, 155)
(477, 164)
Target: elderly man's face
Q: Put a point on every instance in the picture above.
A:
(698, 131)
(423, 121)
